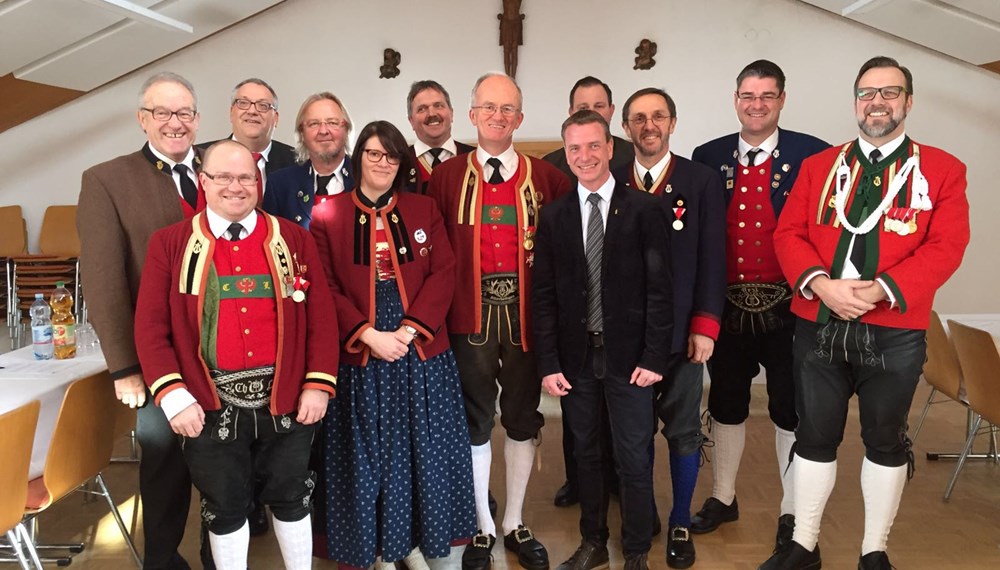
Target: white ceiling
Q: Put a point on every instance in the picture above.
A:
(82, 44)
(968, 30)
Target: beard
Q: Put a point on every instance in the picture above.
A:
(876, 131)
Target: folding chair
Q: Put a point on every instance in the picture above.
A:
(17, 435)
(941, 370)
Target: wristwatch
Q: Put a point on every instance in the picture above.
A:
(411, 330)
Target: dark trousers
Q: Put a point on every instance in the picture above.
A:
(630, 411)
(678, 404)
(737, 359)
(164, 488)
(838, 359)
(607, 451)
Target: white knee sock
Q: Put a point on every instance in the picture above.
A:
(229, 551)
(482, 456)
(415, 560)
(450, 562)
(726, 455)
(783, 441)
(814, 483)
(295, 542)
(882, 488)
(520, 458)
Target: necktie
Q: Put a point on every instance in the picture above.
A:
(321, 184)
(860, 240)
(234, 231)
(647, 181)
(188, 188)
(595, 255)
(436, 153)
(752, 156)
(260, 177)
(496, 177)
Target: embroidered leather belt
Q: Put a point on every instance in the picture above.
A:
(500, 288)
(250, 389)
(758, 297)
(756, 308)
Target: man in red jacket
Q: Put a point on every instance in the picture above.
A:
(872, 229)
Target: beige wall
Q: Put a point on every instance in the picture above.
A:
(303, 46)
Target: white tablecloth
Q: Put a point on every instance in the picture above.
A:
(23, 379)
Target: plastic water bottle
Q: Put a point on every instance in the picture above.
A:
(63, 322)
(41, 328)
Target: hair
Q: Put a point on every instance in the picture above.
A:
(648, 91)
(222, 143)
(883, 61)
(585, 117)
(763, 69)
(588, 81)
(485, 76)
(301, 152)
(254, 81)
(420, 86)
(166, 77)
(395, 145)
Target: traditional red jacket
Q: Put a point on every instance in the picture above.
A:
(171, 310)
(914, 266)
(344, 228)
(457, 186)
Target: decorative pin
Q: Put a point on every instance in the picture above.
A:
(362, 219)
(729, 184)
(159, 165)
(736, 153)
(395, 218)
(420, 236)
(529, 244)
(402, 250)
(668, 189)
(775, 154)
(413, 171)
(305, 198)
(423, 252)
(786, 167)
(678, 225)
(299, 195)
(298, 218)
(877, 182)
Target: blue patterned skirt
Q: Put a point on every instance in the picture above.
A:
(396, 454)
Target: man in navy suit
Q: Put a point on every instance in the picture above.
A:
(323, 128)
(429, 110)
(758, 166)
(602, 313)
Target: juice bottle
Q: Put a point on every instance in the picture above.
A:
(63, 322)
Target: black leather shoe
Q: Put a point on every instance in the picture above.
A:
(680, 547)
(875, 561)
(657, 527)
(637, 562)
(493, 504)
(783, 538)
(478, 554)
(794, 557)
(712, 514)
(530, 553)
(589, 556)
(567, 495)
(257, 519)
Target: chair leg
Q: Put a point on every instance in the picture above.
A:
(923, 415)
(961, 459)
(15, 545)
(29, 545)
(118, 519)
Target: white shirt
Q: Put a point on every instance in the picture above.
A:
(188, 162)
(605, 192)
(508, 163)
(336, 184)
(654, 171)
(767, 147)
(420, 148)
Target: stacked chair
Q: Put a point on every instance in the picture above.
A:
(13, 243)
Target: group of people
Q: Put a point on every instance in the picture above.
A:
(331, 334)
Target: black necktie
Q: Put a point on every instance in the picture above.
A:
(321, 182)
(188, 188)
(860, 240)
(234, 231)
(647, 181)
(752, 156)
(496, 178)
(595, 254)
(436, 153)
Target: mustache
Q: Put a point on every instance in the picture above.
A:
(428, 120)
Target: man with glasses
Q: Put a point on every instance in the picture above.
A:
(234, 344)
(253, 113)
(323, 128)
(490, 200)
(122, 202)
(429, 110)
(692, 197)
(758, 166)
(870, 232)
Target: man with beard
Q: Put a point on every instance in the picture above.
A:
(323, 128)
(758, 165)
(693, 199)
(870, 232)
(253, 113)
(429, 110)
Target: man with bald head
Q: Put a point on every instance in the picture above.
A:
(490, 200)
(233, 348)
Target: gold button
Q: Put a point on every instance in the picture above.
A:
(238, 268)
(746, 171)
(757, 225)
(743, 189)
(743, 224)
(243, 309)
(759, 207)
(759, 189)
(757, 242)
(762, 171)
(739, 242)
(739, 260)
(246, 331)
(236, 248)
(494, 189)
(250, 354)
(497, 245)
(743, 206)
(741, 277)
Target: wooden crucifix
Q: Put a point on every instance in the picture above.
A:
(511, 34)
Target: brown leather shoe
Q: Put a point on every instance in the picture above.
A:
(589, 556)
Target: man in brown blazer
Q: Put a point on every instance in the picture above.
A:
(122, 202)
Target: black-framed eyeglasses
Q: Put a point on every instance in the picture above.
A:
(491, 109)
(374, 156)
(261, 106)
(163, 115)
(888, 93)
(639, 120)
(764, 97)
(225, 178)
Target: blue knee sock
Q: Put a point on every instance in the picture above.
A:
(683, 476)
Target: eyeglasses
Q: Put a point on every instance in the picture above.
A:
(225, 179)
(164, 115)
(261, 106)
(888, 93)
(332, 124)
(374, 156)
(491, 109)
(750, 97)
(640, 120)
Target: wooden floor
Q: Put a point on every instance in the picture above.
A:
(929, 533)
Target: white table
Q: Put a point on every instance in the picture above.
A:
(23, 379)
